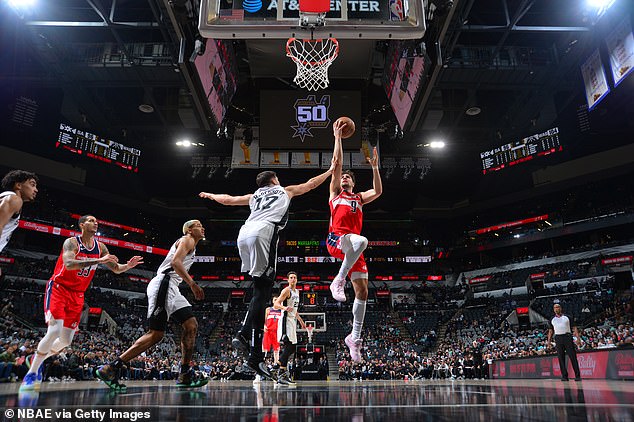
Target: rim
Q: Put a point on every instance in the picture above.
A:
(327, 59)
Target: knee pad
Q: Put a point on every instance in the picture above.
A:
(52, 333)
(65, 339)
(359, 242)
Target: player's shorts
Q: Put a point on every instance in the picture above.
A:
(270, 340)
(287, 329)
(257, 245)
(165, 301)
(333, 243)
(64, 304)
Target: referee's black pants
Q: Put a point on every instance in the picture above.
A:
(565, 345)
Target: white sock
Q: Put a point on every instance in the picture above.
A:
(64, 340)
(38, 359)
(352, 245)
(358, 311)
(44, 347)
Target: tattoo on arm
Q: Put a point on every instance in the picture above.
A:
(69, 250)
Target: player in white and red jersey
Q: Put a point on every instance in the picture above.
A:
(64, 297)
(272, 318)
(344, 236)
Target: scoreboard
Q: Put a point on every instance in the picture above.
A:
(92, 146)
(521, 151)
(310, 299)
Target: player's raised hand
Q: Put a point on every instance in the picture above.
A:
(206, 195)
(134, 261)
(337, 128)
(374, 161)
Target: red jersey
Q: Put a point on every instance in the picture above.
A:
(79, 279)
(274, 316)
(346, 213)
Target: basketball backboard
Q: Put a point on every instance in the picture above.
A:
(316, 319)
(348, 19)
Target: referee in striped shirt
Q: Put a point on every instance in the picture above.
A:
(563, 326)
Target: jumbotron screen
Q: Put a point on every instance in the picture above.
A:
(93, 146)
(514, 153)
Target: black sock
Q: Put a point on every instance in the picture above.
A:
(117, 363)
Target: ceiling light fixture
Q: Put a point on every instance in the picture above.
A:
(437, 144)
(600, 4)
(473, 111)
(21, 4)
(146, 108)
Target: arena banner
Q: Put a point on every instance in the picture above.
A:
(6, 260)
(510, 224)
(618, 260)
(45, 228)
(596, 83)
(305, 160)
(482, 279)
(246, 150)
(598, 364)
(326, 158)
(620, 44)
(111, 224)
(274, 159)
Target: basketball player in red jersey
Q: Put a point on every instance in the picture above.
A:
(345, 240)
(64, 297)
(272, 318)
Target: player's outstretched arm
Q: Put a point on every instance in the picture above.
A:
(115, 267)
(225, 199)
(377, 185)
(296, 190)
(337, 153)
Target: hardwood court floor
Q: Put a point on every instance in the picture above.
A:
(391, 401)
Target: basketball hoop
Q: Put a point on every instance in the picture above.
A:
(312, 58)
(309, 330)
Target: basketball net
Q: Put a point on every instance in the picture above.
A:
(309, 330)
(312, 58)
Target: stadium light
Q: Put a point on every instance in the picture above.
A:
(600, 4)
(22, 4)
(437, 144)
(186, 143)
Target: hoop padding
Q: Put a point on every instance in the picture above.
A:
(314, 6)
(312, 58)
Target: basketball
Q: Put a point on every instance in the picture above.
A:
(348, 129)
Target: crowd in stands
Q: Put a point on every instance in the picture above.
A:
(397, 345)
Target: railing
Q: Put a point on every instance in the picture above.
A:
(143, 54)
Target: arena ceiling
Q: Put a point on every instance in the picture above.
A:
(92, 63)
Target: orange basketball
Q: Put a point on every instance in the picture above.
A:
(348, 129)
